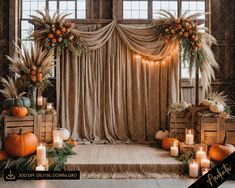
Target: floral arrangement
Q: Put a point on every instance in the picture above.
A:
(57, 32)
(33, 67)
(193, 39)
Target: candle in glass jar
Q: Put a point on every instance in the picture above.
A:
(189, 139)
(41, 154)
(205, 163)
(174, 150)
(200, 154)
(58, 143)
(193, 170)
(40, 100)
(40, 168)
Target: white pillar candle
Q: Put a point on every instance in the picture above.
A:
(205, 163)
(194, 170)
(174, 151)
(41, 154)
(189, 139)
(40, 100)
(58, 143)
(200, 154)
(40, 168)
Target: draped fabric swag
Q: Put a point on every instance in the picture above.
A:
(112, 94)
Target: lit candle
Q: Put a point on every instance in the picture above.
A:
(40, 100)
(205, 163)
(204, 171)
(193, 170)
(200, 154)
(40, 168)
(49, 106)
(189, 138)
(41, 154)
(58, 143)
(174, 150)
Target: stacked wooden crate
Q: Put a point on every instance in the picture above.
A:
(212, 130)
(178, 123)
(41, 125)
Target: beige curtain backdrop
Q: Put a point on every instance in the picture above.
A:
(113, 95)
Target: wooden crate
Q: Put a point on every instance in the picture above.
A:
(178, 122)
(212, 130)
(41, 125)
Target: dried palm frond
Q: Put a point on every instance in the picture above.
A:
(34, 66)
(194, 42)
(218, 97)
(9, 89)
(56, 32)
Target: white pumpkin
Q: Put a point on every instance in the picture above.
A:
(160, 135)
(65, 133)
(216, 108)
(207, 102)
(184, 104)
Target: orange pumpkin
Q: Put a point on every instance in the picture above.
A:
(166, 142)
(185, 34)
(219, 152)
(53, 40)
(21, 144)
(19, 111)
(3, 155)
(72, 142)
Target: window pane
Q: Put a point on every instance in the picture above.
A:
(194, 7)
(133, 9)
(171, 6)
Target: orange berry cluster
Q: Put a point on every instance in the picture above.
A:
(56, 35)
(185, 28)
(36, 75)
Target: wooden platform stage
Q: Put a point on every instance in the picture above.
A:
(123, 161)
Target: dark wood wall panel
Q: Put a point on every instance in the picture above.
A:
(222, 27)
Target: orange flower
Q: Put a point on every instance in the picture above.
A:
(50, 35)
(179, 27)
(63, 29)
(177, 21)
(189, 27)
(33, 72)
(185, 34)
(58, 32)
(33, 78)
(53, 40)
(199, 45)
(39, 74)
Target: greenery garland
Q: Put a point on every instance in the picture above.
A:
(57, 158)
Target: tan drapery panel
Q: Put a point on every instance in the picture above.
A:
(111, 95)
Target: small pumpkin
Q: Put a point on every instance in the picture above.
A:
(21, 144)
(216, 108)
(65, 133)
(207, 102)
(19, 111)
(3, 155)
(72, 142)
(219, 152)
(161, 134)
(167, 141)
